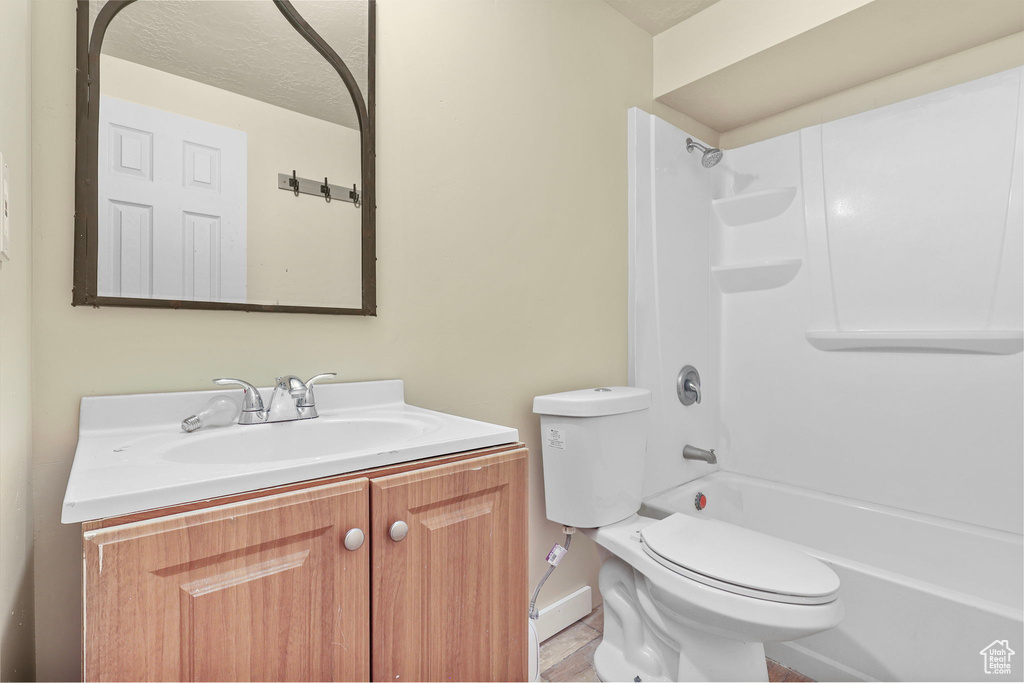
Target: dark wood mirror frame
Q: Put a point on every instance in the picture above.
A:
(84, 292)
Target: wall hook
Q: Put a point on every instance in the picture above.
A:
(328, 192)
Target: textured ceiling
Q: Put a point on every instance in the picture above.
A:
(655, 16)
(247, 47)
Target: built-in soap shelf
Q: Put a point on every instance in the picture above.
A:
(753, 207)
(749, 277)
(999, 342)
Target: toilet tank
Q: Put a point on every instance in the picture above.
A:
(594, 443)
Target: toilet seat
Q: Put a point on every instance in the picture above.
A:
(737, 560)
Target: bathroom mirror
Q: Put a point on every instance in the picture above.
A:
(225, 155)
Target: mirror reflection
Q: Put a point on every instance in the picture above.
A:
(229, 154)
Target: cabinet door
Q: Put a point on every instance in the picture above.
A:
(450, 599)
(258, 590)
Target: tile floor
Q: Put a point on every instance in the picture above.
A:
(569, 655)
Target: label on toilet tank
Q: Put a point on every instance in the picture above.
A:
(555, 438)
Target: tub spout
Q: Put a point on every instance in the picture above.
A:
(694, 453)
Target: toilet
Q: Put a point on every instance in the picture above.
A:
(685, 598)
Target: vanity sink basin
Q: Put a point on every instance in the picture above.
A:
(300, 440)
(132, 454)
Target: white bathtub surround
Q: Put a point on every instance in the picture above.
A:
(685, 599)
(853, 294)
(361, 425)
(913, 276)
(669, 295)
(1000, 342)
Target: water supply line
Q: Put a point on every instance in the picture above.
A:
(553, 558)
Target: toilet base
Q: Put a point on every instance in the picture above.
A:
(641, 641)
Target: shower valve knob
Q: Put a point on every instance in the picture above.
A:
(688, 386)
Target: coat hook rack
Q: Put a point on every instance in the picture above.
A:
(325, 190)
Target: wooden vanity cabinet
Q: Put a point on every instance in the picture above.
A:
(260, 586)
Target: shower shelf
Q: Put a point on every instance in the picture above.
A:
(749, 277)
(753, 207)
(998, 342)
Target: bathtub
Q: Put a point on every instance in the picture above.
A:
(923, 595)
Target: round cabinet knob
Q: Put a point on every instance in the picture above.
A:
(398, 531)
(354, 539)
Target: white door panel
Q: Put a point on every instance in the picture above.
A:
(129, 236)
(202, 236)
(172, 197)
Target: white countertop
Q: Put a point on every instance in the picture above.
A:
(132, 454)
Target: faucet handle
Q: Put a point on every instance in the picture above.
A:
(252, 401)
(692, 387)
(309, 399)
(688, 385)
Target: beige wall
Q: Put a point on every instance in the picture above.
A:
(753, 70)
(984, 60)
(730, 31)
(501, 244)
(300, 250)
(16, 614)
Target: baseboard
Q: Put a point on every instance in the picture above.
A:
(811, 664)
(564, 613)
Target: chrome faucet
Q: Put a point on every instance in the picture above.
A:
(694, 453)
(292, 399)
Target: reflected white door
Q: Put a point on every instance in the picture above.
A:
(172, 206)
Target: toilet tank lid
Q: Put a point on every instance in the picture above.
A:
(593, 402)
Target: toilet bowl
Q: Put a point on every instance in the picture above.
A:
(686, 599)
(687, 628)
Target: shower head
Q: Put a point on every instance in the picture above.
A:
(712, 155)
